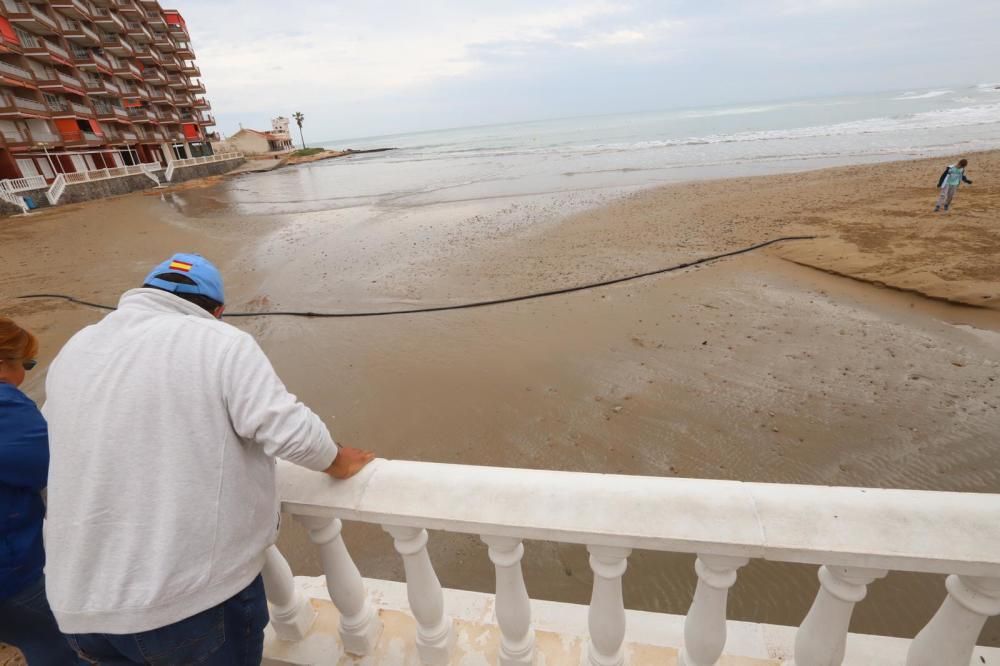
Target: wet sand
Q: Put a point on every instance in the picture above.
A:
(753, 368)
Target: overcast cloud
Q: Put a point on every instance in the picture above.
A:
(378, 67)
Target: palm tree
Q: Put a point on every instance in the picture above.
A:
(298, 119)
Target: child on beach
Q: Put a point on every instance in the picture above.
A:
(953, 176)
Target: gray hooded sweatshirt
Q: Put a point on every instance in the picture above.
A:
(164, 424)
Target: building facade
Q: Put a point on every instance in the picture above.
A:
(93, 84)
(255, 142)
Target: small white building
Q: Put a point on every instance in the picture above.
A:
(256, 142)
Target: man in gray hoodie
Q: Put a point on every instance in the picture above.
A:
(164, 423)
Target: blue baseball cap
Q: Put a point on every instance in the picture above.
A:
(206, 277)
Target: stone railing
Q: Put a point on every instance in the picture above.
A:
(854, 535)
(192, 161)
(58, 186)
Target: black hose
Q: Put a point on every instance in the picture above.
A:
(465, 306)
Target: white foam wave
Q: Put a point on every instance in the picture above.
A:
(982, 114)
(907, 96)
(737, 111)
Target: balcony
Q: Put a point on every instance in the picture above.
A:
(184, 49)
(110, 112)
(30, 16)
(11, 74)
(206, 120)
(13, 106)
(139, 114)
(109, 20)
(72, 8)
(171, 63)
(155, 19)
(164, 42)
(154, 75)
(129, 8)
(851, 536)
(139, 32)
(134, 91)
(91, 60)
(190, 69)
(116, 45)
(96, 85)
(147, 55)
(81, 138)
(51, 80)
(197, 87)
(126, 69)
(44, 49)
(78, 32)
(202, 103)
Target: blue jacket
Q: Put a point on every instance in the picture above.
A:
(24, 468)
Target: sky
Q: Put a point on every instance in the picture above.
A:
(358, 69)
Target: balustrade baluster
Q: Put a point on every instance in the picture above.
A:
(513, 607)
(291, 614)
(360, 626)
(606, 617)
(705, 625)
(435, 637)
(822, 638)
(950, 636)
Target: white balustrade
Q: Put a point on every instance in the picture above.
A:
(513, 606)
(607, 607)
(435, 636)
(705, 625)
(950, 636)
(56, 189)
(291, 613)
(822, 638)
(854, 535)
(360, 626)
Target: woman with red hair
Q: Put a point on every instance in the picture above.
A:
(26, 621)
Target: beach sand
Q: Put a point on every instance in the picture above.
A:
(764, 367)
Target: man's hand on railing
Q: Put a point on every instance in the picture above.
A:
(349, 461)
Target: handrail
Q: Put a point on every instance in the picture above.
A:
(909, 530)
(14, 200)
(192, 161)
(56, 189)
(22, 184)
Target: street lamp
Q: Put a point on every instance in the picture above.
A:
(47, 156)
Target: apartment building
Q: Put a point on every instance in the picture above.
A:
(93, 84)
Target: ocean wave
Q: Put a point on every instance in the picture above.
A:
(970, 115)
(737, 111)
(907, 96)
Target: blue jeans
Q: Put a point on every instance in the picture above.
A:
(230, 634)
(26, 622)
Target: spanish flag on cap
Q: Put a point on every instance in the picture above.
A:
(203, 277)
(182, 266)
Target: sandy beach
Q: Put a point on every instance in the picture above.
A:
(792, 364)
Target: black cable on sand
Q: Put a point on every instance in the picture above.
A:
(465, 306)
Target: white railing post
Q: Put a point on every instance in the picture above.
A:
(822, 638)
(606, 617)
(513, 606)
(291, 614)
(435, 636)
(705, 625)
(950, 636)
(360, 626)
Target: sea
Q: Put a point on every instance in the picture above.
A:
(644, 149)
